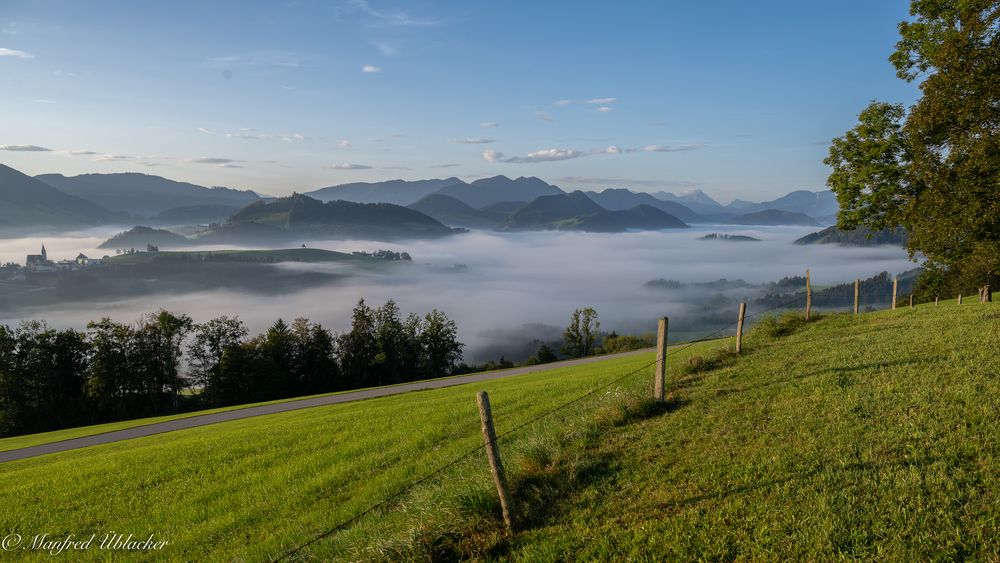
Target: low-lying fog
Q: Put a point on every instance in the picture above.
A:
(505, 287)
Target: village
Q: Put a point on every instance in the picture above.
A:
(40, 262)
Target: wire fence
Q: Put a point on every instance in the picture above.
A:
(796, 301)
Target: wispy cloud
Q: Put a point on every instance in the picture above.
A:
(282, 59)
(472, 141)
(82, 153)
(393, 17)
(449, 165)
(44, 101)
(544, 116)
(4, 52)
(206, 130)
(371, 69)
(544, 155)
(557, 154)
(347, 166)
(249, 133)
(213, 160)
(605, 109)
(113, 158)
(24, 148)
(594, 101)
(671, 148)
(344, 144)
(489, 124)
(396, 168)
(387, 49)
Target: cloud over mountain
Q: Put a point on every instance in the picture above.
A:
(24, 148)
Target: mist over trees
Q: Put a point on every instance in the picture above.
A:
(166, 363)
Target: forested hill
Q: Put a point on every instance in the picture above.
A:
(856, 237)
(299, 216)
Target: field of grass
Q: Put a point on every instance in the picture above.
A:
(251, 488)
(28, 440)
(850, 439)
(870, 437)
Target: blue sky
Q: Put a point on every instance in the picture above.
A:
(738, 99)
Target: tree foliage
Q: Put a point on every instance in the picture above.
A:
(580, 336)
(933, 168)
(51, 379)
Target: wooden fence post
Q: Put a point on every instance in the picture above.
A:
(857, 296)
(936, 299)
(739, 328)
(959, 298)
(493, 455)
(660, 380)
(809, 295)
(911, 300)
(895, 284)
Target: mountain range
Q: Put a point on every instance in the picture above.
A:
(55, 200)
(299, 216)
(25, 201)
(576, 211)
(144, 195)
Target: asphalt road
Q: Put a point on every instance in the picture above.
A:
(292, 405)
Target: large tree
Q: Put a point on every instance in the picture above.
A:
(211, 341)
(440, 345)
(934, 168)
(580, 336)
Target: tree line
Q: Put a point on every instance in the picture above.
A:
(166, 363)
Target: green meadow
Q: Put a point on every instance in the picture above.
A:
(843, 438)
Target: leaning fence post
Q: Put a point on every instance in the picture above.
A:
(493, 455)
(911, 300)
(857, 295)
(809, 295)
(959, 298)
(936, 299)
(739, 328)
(895, 284)
(660, 379)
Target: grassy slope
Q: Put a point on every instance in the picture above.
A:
(27, 440)
(869, 438)
(863, 439)
(252, 488)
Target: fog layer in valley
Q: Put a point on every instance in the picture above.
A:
(504, 289)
